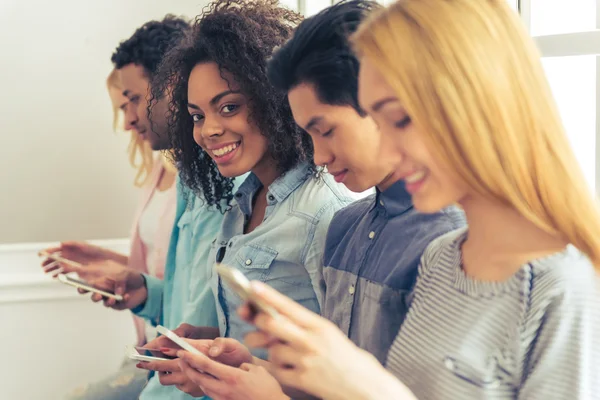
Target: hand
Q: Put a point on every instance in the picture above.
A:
(112, 277)
(223, 382)
(313, 355)
(170, 374)
(186, 331)
(227, 351)
(82, 253)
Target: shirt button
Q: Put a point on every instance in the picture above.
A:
(381, 202)
(248, 261)
(351, 289)
(449, 364)
(271, 197)
(371, 235)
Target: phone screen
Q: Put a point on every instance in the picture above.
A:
(152, 353)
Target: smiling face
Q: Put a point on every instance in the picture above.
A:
(433, 186)
(222, 126)
(347, 143)
(136, 87)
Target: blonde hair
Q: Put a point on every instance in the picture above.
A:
(472, 81)
(137, 148)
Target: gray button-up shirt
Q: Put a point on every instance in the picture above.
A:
(371, 257)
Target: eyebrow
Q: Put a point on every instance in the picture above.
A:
(215, 99)
(313, 121)
(377, 106)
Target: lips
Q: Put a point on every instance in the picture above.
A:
(339, 176)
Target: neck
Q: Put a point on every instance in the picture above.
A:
(500, 239)
(389, 180)
(266, 171)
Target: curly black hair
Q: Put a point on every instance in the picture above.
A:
(150, 42)
(239, 36)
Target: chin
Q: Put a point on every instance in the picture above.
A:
(428, 204)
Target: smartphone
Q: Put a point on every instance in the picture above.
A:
(56, 257)
(81, 284)
(144, 354)
(242, 287)
(178, 340)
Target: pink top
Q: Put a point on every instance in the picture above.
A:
(137, 255)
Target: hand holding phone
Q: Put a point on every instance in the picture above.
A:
(81, 284)
(238, 282)
(146, 355)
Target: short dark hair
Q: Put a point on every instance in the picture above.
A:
(149, 43)
(320, 54)
(239, 36)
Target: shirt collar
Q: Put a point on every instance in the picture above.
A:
(279, 190)
(395, 200)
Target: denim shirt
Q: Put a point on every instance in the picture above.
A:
(285, 251)
(371, 259)
(185, 295)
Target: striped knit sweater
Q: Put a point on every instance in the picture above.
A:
(535, 336)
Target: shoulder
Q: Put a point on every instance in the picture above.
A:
(447, 245)
(566, 280)
(319, 197)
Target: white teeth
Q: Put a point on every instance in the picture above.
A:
(417, 176)
(225, 150)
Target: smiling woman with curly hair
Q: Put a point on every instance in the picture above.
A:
(226, 121)
(238, 37)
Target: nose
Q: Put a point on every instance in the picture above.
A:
(210, 129)
(131, 118)
(322, 154)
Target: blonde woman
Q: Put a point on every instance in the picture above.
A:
(150, 236)
(508, 308)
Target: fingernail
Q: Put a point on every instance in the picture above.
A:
(213, 351)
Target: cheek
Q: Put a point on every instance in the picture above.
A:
(197, 134)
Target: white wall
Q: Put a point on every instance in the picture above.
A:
(53, 338)
(63, 173)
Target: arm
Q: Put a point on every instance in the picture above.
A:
(151, 309)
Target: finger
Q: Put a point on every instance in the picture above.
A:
(174, 378)
(204, 364)
(96, 297)
(296, 313)
(109, 302)
(82, 291)
(160, 366)
(201, 344)
(50, 265)
(258, 339)
(284, 356)
(204, 381)
(289, 377)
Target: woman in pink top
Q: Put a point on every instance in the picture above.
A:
(150, 233)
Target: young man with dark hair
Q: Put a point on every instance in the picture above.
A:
(374, 245)
(137, 60)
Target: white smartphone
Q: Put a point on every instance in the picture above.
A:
(241, 285)
(144, 354)
(178, 340)
(57, 257)
(81, 284)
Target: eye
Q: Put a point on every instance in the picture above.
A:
(229, 108)
(197, 118)
(135, 99)
(403, 123)
(328, 133)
